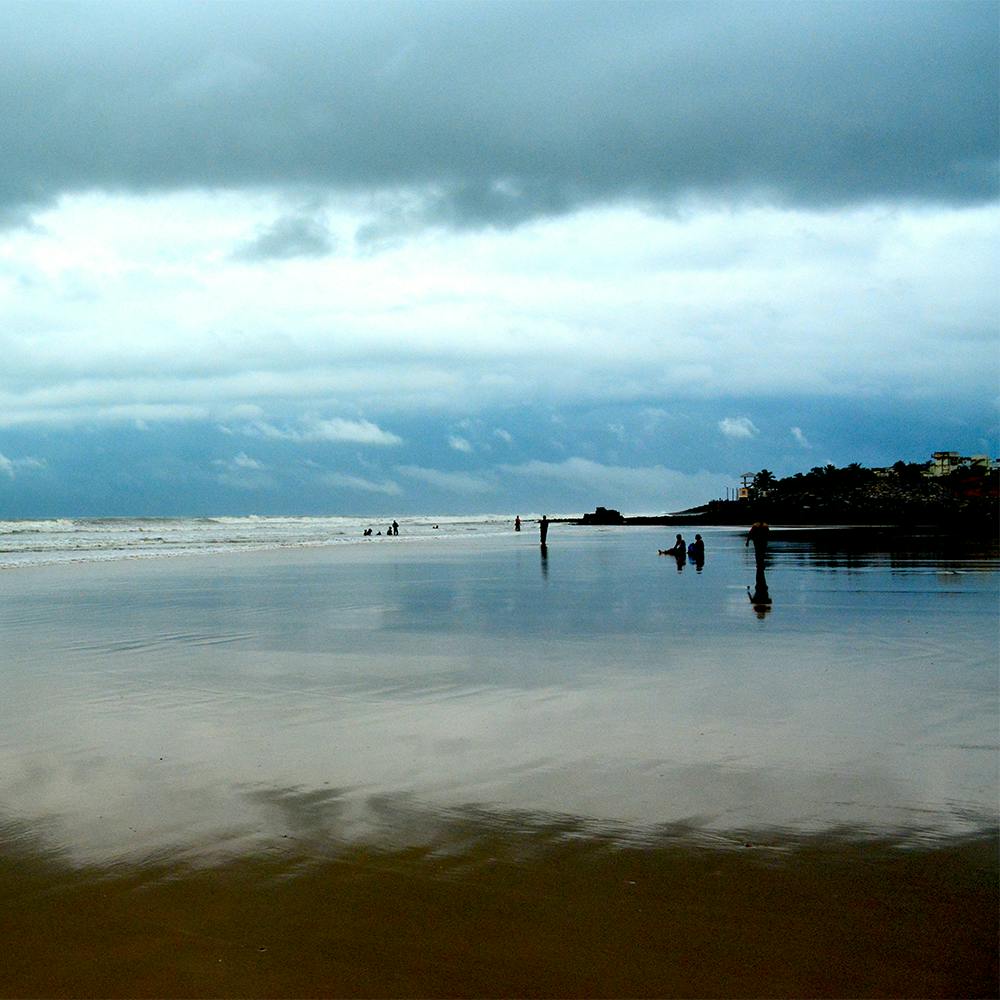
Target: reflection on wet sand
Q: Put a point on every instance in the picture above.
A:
(494, 904)
(761, 596)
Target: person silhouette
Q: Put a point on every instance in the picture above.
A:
(517, 523)
(758, 534)
(696, 552)
(543, 529)
(677, 548)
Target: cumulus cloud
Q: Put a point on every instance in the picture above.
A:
(240, 462)
(243, 472)
(504, 436)
(800, 437)
(347, 481)
(11, 466)
(45, 411)
(335, 429)
(459, 444)
(449, 482)
(356, 431)
(738, 427)
(493, 112)
(651, 488)
(620, 303)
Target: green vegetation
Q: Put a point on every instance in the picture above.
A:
(902, 495)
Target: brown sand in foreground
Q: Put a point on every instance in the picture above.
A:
(499, 914)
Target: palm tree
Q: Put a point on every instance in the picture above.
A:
(762, 482)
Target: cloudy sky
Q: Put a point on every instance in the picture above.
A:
(375, 257)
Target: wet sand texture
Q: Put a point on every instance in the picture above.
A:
(544, 914)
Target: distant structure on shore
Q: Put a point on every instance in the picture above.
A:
(943, 463)
(602, 515)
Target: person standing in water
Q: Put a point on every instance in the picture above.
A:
(758, 534)
(543, 528)
(517, 523)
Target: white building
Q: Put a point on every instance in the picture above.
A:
(943, 462)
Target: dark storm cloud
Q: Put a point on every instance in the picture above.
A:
(286, 238)
(501, 111)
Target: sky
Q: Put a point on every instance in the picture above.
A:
(445, 257)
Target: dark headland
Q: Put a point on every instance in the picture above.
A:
(962, 500)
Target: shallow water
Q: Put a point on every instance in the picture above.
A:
(252, 717)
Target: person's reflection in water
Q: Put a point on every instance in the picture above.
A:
(681, 556)
(760, 599)
(545, 561)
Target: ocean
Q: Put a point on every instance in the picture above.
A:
(91, 539)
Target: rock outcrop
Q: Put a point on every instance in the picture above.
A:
(602, 515)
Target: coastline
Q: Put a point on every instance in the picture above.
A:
(860, 531)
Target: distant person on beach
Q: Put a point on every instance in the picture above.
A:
(367, 532)
(543, 528)
(395, 528)
(758, 534)
(517, 523)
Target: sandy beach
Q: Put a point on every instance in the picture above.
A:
(468, 769)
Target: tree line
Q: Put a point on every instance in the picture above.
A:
(853, 494)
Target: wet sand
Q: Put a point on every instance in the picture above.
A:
(454, 771)
(491, 909)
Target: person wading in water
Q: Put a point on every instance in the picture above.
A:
(757, 534)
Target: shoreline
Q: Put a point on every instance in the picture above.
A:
(878, 537)
(892, 535)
